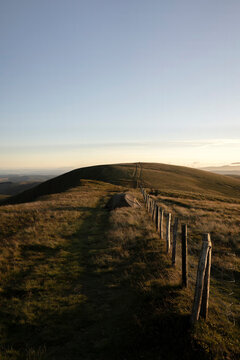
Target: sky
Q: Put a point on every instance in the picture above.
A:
(85, 82)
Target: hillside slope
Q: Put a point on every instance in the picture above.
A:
(153, 175)
(78, 281)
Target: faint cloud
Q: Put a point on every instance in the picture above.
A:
(210, 142)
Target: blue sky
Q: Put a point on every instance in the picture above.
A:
(104, 81)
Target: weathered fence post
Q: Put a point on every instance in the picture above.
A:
(159, 219)
(151, 205)
(161, 223)
(201, 297)
(175, 229)
(156, 216)
(184, 256)
(206, 285)
(154, 211)
(168, 232)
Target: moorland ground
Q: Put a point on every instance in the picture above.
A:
(78, 281)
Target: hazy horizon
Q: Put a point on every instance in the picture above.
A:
(231, 168)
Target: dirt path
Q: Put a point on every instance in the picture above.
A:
(90, 284)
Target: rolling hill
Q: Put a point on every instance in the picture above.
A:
(165, 178)
(10, 188)
(78, 281)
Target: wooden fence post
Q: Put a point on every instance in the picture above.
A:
(153, 207)
(150, 203)
(159, 219)
(154, 211)
(206, 285)
(201, 296)
(161, 223)
(156, 216)
(184, 256)
(175, 229)
(168, 232)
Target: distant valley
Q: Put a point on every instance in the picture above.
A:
(14, 184)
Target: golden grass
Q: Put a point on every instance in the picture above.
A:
(79, 282)
(167, 178)
(220, 334)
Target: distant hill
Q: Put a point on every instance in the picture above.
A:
(13, 184)
(3, 197)
(225, 169)
(17, 178)
(11, 188)
(153, 175)
(234, 176)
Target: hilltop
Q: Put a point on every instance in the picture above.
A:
(165, 178)
(80, 281)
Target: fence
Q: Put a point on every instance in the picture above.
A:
(201, 296)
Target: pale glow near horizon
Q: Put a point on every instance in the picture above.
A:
(199, 153)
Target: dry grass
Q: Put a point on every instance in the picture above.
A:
(79, 282)
(168, 178)
(41, 268)
(220, 335)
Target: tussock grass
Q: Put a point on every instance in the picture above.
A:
(220, 334)
(41, 268)
(80, 282)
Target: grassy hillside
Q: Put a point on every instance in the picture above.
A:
(234, 176)
(109, 173)
(220, 218)
(80, 282)
(180, 178)
(160, 176)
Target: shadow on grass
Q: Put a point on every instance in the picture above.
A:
(89, 309)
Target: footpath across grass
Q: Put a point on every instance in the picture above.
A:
(80, 282)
